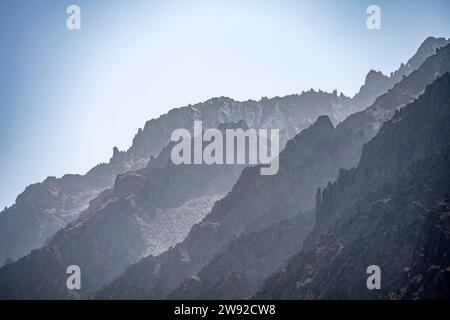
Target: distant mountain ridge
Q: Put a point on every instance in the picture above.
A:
(44, 208)
(310, 160)
(256, 206)
(344, 147)
(147, 211)
(376, 214)
(376, 83)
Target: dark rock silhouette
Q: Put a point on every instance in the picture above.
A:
(116, 230)
(308, 162)
(376, 214)
(44, 208)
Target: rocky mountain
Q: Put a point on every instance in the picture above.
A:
(360, 127)
(344, 156)
(254, 203)
(377, 83)
(141, 214)
(380, 212)
(429, 275)
(44, 208)
(426, 49)
(146, 212)
(309, 161)
(246, 263)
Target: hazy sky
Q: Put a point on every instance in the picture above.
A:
(67, 97)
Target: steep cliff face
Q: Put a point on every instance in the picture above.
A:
(376, 83)
(44, 208)
(429, 275)
(119, 227)
(146, 212)
(309, 161)
(360, 127)
(345, 155)
(254, 203)
(374, 214)
(425, 50)
(247, 261)
(290, 114)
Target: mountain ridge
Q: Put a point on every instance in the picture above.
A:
(382, 203)
(310, 165)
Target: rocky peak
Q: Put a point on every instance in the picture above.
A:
(374, 77)
(425, 50)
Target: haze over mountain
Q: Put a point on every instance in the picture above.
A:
(50, 127)
(309, 161)
(377, 83)
(140, 203)
(391, 211)
(44, 208)
(146, 212)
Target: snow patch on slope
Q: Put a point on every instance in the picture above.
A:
(172, 226)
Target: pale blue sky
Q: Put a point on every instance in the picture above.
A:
(68, 97)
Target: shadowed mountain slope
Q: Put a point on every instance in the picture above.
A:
(44, 208)
(309, 161)
(377, 213)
